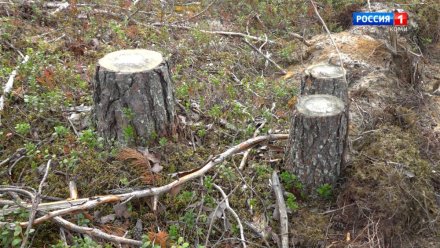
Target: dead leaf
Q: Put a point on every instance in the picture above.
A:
(114, 230)
(150, 156)
(159, 238)
(19, 92)
(47, 78)
(121, 211)
(292, 101)
(156, 168)
(149, 178)
(125, 4)
(175, 190)
(107, 218)
(288, 75)
(219, 212)
(136, 158)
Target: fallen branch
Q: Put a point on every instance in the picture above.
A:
(329, 34)
(225, 33)
(10, 84)
(203, 11)
(237, 218)
(35, 201)
(95, 232)
(70, 206)
(246, 153)
(256, 133)
(301, 38)
(266, 57)
(281, 206)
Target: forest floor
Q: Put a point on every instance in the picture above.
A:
(388, 195)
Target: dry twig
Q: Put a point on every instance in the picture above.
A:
(35, 201)
(266, 57)
(225, 33)
(237, 218)
(70, 206)
(329, 34)
(281, 206)
(10, 84)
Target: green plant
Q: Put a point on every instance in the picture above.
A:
(61, 131)
(31, 149)
(215, 111)
(129, 113)
(129, 133)
(11, 237)
(291, 202)
(23, 128)
(163, 141)
(227, 173)
(201, 132)
(181, 243)
(290, 180)
(82, 220)
(88, 137)
(85, 242)
(185, 197)
(208, 182)
(183, 90)
(189, 218)
(71, 161)
(173, 232)
(263, 170)
(325, 191)
(124, 181)
(209, 201)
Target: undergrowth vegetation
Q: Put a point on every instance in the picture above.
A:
(224, 89)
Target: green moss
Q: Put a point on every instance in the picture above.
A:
(392, 180)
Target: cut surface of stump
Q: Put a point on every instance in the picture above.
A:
(325, 79)
(133, 96)
(317, 140)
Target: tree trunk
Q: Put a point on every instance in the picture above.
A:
(325, 79)
(134, 98)
(317, 140)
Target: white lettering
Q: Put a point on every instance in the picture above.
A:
(387, 18)
(400, 17)
(376, 18)
(358, 18)
(364, 19)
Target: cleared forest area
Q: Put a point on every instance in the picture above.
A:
(223, 171)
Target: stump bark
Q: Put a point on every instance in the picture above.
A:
(317, 140)
(133, 96)
(325, 79)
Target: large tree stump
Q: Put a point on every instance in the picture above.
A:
(317, 140)
(325, 79)
(133, 95)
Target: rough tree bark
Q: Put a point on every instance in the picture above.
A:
(133, 95)
(325, 79)
(317, 140)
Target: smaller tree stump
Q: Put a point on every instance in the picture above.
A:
(325, 79)
(317, 140)
(133, 95)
